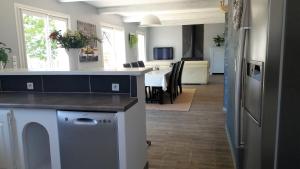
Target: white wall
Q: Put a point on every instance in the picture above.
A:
(76, 10)
(172, 36)
(157, 36)
(169, 36)
(210, 31)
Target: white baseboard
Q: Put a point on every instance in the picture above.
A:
(231, 147)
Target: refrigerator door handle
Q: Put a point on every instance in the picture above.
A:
(244, 74)
(239, 86)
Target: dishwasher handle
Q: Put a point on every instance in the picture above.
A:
(85, 121)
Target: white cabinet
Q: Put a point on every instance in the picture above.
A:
(6, 140)
(29, 138)
(37, 137)
(217, 60)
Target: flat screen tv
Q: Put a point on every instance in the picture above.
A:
(163, 53)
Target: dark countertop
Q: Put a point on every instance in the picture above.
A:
(67, 101)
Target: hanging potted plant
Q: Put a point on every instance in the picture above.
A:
(4, 51)
(73, 42)
(219, 40)
(133, 40)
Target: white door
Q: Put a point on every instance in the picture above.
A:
(6, 141)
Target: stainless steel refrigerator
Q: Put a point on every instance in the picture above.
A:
(257, 84)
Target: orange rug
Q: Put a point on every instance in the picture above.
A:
(183, 102)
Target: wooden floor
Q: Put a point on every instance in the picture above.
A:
(194, 139)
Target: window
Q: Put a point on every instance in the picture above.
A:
(141, 47)
(113, 46)
(39, 52)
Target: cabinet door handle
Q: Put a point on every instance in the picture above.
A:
(12, 135)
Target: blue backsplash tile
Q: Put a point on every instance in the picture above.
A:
(66, 83)
(70, 83)
(103, 84)
(19, 83)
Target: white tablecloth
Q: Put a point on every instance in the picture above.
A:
(157, 78)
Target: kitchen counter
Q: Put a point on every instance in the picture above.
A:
(94, 71)
(68, 101)
(29, 100)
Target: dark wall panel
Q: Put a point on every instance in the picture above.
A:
(231, 47)
(192, 42)
(103, 83)
(198, 41)
(19, 83)
(70, 83)
(187, 41)
(66, 83)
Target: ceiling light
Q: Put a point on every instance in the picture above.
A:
(150, 20)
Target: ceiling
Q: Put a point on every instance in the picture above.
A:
(170, 12)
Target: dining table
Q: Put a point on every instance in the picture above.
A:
(158, 79)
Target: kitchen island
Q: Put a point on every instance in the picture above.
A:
(73, 119)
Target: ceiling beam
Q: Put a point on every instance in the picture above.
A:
(191, 22)
(156, 8)
(173, 12)
(216, 13)
(74, 0)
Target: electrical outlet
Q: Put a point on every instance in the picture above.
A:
(115, 87)
(30, 86)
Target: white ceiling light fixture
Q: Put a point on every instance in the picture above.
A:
(150, 20)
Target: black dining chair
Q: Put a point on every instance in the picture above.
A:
(134, 64)
(177, 78)
(179, 82)
(171, 84)
(141, 63)
(126, 65)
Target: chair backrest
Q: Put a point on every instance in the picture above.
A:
(134, 64)
(180, 71)
(172, 78)
(141, 63)
(126, 65)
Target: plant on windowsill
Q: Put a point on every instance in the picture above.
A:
(219, 40)
(4, 51)
(73, 42)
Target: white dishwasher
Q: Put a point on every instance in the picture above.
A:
(88, 140)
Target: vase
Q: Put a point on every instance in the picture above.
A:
(2, 65)
(73, 58)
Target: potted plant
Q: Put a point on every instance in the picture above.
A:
(4, 51)
(133, 40)
(72, 42)
(219, 40)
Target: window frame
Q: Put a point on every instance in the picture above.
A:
(145, 45)
(113, 27)
(19, 8)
